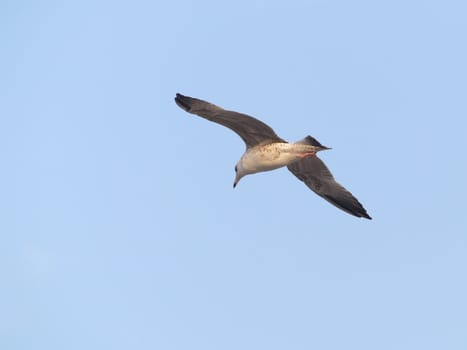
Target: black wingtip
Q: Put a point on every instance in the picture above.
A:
(182, 101)
(359, 212)
(354, 207)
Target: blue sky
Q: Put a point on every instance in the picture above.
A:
(120, 227)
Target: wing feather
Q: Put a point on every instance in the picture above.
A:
(252, 131)
(316, 175)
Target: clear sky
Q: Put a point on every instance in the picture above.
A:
(120, 228)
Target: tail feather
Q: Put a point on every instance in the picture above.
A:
(309, 140)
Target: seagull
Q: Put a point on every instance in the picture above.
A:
(266, 151)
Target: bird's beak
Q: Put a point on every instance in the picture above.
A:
(237, 179)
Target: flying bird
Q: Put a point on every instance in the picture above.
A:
(266, 151)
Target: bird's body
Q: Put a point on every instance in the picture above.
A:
(273, 155)
(266, 151)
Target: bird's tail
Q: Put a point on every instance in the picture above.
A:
(309, 140)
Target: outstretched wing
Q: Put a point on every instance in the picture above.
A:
(252, 131)
(316, 175)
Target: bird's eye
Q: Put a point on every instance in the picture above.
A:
(235, 168)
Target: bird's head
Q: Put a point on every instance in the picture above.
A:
(239, 173)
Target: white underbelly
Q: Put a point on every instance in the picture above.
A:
(269, 157)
